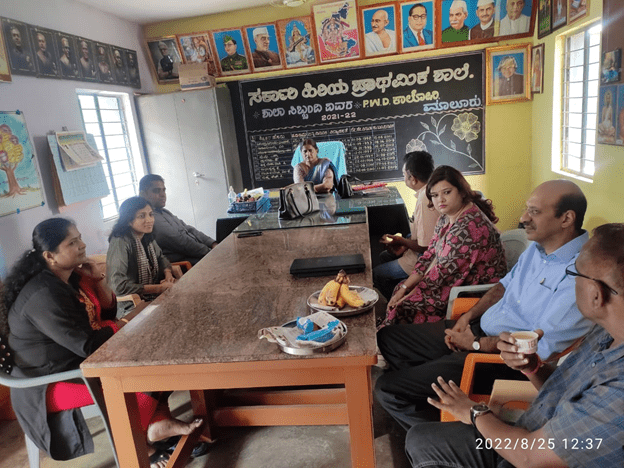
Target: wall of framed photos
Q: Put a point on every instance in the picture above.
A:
(51, 104)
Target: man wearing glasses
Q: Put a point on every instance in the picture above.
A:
(415, 35)
(576, 419)
(536, 293)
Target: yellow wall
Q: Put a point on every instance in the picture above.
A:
(606, 192)
(508, 128)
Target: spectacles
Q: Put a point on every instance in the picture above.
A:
(571, 272)
(420, 17)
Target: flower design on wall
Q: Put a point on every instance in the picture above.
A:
(466, 127)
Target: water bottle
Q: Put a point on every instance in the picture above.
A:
(231, 196)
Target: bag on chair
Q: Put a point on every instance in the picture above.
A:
(297, 200)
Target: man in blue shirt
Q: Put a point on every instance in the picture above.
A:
(577, 418)
(536, 293)
(415, 35)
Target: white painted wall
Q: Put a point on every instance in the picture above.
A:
(48, 105)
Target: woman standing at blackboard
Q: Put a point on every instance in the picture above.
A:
(320, 171)
(465, 249)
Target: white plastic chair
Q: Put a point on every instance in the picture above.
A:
(515, 242)
(97, 409)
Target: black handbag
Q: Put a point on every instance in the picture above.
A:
(297, 200)
(344, 185)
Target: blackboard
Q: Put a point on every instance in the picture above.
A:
(374, 110)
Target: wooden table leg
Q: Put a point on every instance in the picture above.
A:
(203, 404)
(123, 413)
(360, 414)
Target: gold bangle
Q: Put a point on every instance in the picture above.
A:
(124, 320)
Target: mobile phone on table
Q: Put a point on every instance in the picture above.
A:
(250, 234)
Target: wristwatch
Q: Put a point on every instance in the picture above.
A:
(478, 410)
(475, 344)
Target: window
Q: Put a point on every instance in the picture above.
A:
(580, 85)
(104, 116)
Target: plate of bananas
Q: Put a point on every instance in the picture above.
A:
(342, 299)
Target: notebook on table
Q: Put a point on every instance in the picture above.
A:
(327, 266)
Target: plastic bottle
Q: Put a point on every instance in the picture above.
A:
(231, 195)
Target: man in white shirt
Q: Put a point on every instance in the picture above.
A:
(515, 22)
(403, 252)
(380, 39)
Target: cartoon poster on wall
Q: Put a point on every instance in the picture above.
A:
(20, 185)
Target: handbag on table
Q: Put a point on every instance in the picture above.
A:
(297, 200)
(344, 185)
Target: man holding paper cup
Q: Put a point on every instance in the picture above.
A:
(577, 418)
(536, 294)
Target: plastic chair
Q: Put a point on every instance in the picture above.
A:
(333, 150)
(515, 242)
(96, 409)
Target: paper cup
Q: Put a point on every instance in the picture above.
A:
(526, 341)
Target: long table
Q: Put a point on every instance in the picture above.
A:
(202, 337)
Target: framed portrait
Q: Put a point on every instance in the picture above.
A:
(516, 17)
(44, 52)
(231, 52)
(620, 115)
(508, 73)
(537, 69)
(337, 33)
(67, 58)
(457, 18)
(262, 42)
(606, 115)
(119, 65)
(87, 64)
(577, 9)
(380, 29)
(196, 48)
(166, 58)
(418, 23)
(543, 18)
(559, 14)
(19, 49)
(134, 78)
(104, 61)
(5, 68)
(296, 36)
(611, 70)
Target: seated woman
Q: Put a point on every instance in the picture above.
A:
(134, 262)
(58, 311)
(320, 171)
(465, 249)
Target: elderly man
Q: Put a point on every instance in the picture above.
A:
(45, 63)
(20, 60)
(514, 22)
(234, 61)
(121, 76)
(457, 31)
(178, 241)
(86, 64)
(415, 34)
(262, 56)
(577, 418)
(167, 65)
(380, 39)
(66, 60)
(536, 293)
(485, 13)
(510, 83)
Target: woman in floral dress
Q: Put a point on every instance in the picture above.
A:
(465, 249)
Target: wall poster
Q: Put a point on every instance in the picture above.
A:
(376, 113)
(20, 185)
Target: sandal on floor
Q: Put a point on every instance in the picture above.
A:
(158, 456)
(170, 444)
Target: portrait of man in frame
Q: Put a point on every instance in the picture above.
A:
(233, 57)
(262, 40)
(67, 57)
(18, 47)
(166, 58)
(5, 69)
(380, 31)
(86, 61)
(133, 68)
(418, 23)
(120, 66)
(45, 52)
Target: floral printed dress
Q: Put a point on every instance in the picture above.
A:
(467, 252)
